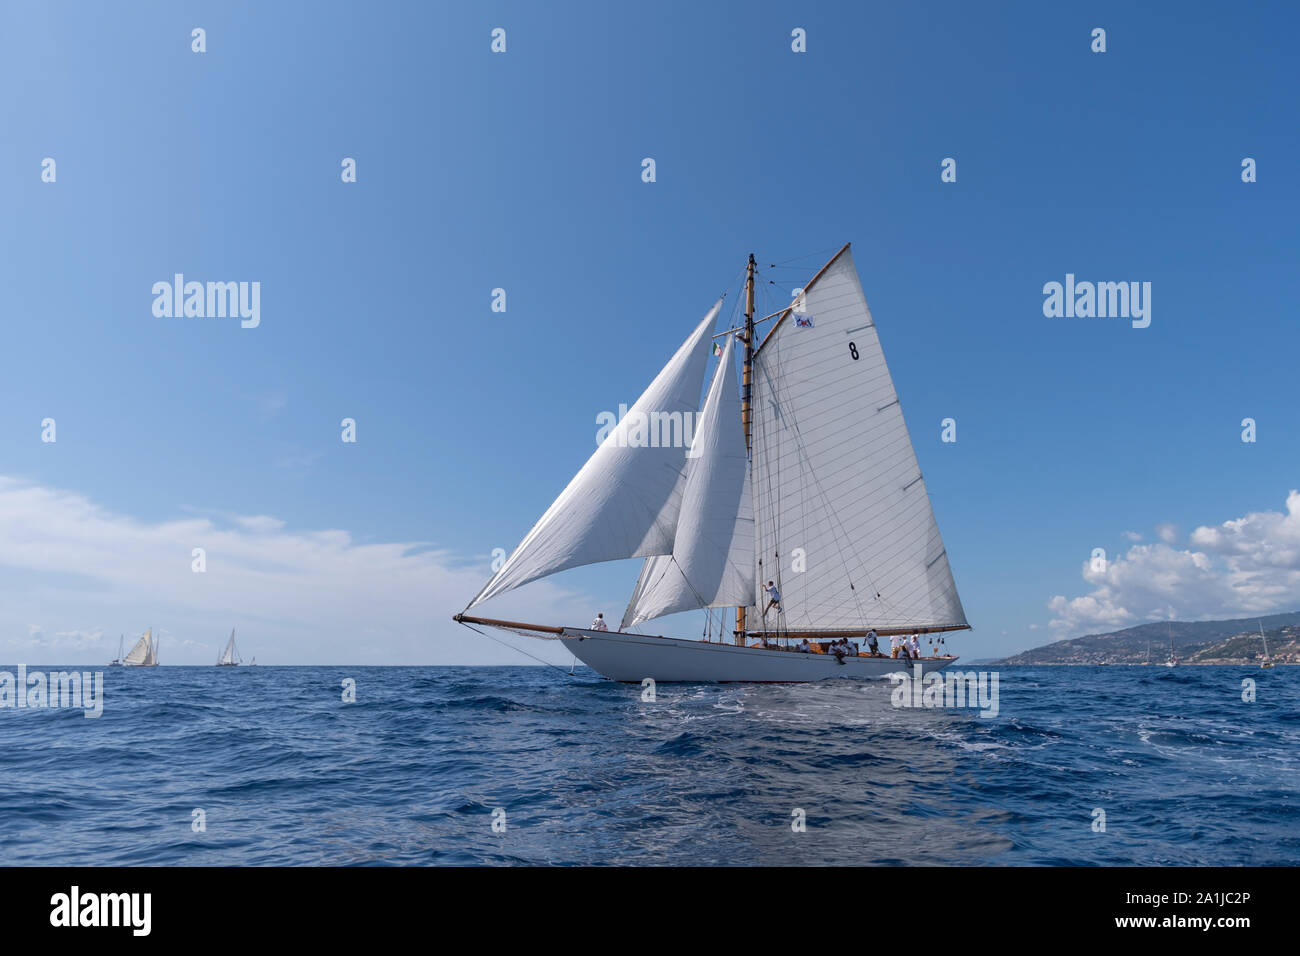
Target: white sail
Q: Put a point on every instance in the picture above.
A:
(843, 522)
(139, 654)
(152, 659)
(228, 655)
(712, 562)
(624, 501)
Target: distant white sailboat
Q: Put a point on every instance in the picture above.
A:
(813, 458)
(1267, 662)
(117, 661)
(229, 657)
(1173, 661)
(144, 653)
(1147, 662)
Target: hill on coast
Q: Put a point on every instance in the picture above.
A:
(1195, 642)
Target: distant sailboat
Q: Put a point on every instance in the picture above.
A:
(117, 661)
(229, 657)
(1173, 661)
(813, 457)
(145, 652)
(1147, 662)
(1267, 661)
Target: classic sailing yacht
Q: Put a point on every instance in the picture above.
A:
(1173, 661)
(145, 652)
(117, 661)
(1267, 662)
(230, 657)
(807, 479)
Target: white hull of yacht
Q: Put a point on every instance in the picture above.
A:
(631, 658)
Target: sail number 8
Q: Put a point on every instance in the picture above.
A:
(853, 350)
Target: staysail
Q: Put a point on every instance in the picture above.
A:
(843, 522)
(624, 501)
(141, 652)
(712, 561)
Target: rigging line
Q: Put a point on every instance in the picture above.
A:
(807, 256)
(781, 619)
(764, 290)
(672, 559)
(691, 587)
(806, 468)
(780, 387)
(568, 673)
(774, 508)
(736, 306)
(837, 525)
(769, 426)
(732, 281)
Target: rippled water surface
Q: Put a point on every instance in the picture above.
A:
(586, 772)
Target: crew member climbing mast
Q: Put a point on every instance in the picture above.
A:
(748, 382)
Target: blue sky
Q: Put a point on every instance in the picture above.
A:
(522, 171)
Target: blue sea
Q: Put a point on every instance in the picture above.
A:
(583, 771)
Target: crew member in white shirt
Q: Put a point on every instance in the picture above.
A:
(773, 599)
(599, 623)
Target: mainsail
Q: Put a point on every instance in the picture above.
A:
(228, 655)
(142, 652)
(712, 561)
(624, 501)
(843, 522)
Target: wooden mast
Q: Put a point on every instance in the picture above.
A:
(748, 382)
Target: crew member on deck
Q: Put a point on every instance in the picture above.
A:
(599, 623)
(873, 646)
(916, 645)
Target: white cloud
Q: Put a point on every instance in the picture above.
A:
(1132, 536)
(89, 574)
(259, 522)
(62, 640)
(1166, 532)
(1259, 541)
(1242, 567)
